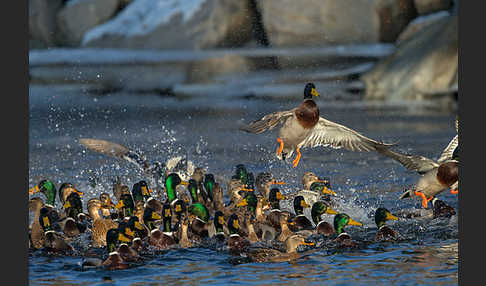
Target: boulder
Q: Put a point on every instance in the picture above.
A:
(42, 22)
(330, 22)
(422, 66)
(420, 23)
(431, 6)
(79, 16)
(175, 24)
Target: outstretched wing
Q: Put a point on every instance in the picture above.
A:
(328, 133)
(449, 150)
(416, 163)
(267, 122)
(116, 150)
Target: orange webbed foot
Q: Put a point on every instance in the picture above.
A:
(297, 158)
(280, 148)
(425, 201)
(454, 191)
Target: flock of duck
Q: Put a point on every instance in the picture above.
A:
(189, 210)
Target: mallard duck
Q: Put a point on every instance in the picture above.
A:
(126, 206)
(264, 181)
(37, 232)
(154, 170)
(184, 241)
(179, 209)
(164, 239)
(303, 127)
(171, 182)
(218, 223)
(318, 190)
(73, 206)
(135, 225)
(107, 205)
(128, 253)
(47, 188)
(114, 262)
(322, 227)
(236, 243)
(121, 234)
(300, 221)
(199, 226)
(237, 183)
(273, 255)
(117, 243)
(141, 192)
(67, 189)
(72, 225)
(285, 232)
(100, 225)
(384, 231)
(53, 240)
(273, 216)
(150, 217)
(340, 221)
(436, 175)
(441, 209)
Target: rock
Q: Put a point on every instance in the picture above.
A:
(431, 6)
(332, 22)
(79, 16)
(423, 65)
(420, 23)
(175, 24)
(42, 22)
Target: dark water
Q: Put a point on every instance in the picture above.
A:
(206, 128)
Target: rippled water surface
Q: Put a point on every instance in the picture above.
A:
(206, 129)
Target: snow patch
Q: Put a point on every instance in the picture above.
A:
(141, 17)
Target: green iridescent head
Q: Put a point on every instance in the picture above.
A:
(299, 205)
(382, 215)
(192, 187)
(249, 200)
(171, 182)
(200, 211)
(341, 220)
(319, 208)
(48, 189)
(241, 173)
(322, 186)
(209, 185)
(250, 182)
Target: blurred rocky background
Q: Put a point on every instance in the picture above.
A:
(373, 50)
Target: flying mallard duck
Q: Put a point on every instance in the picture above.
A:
(154, 170)
(436, 175)
(303, 127)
